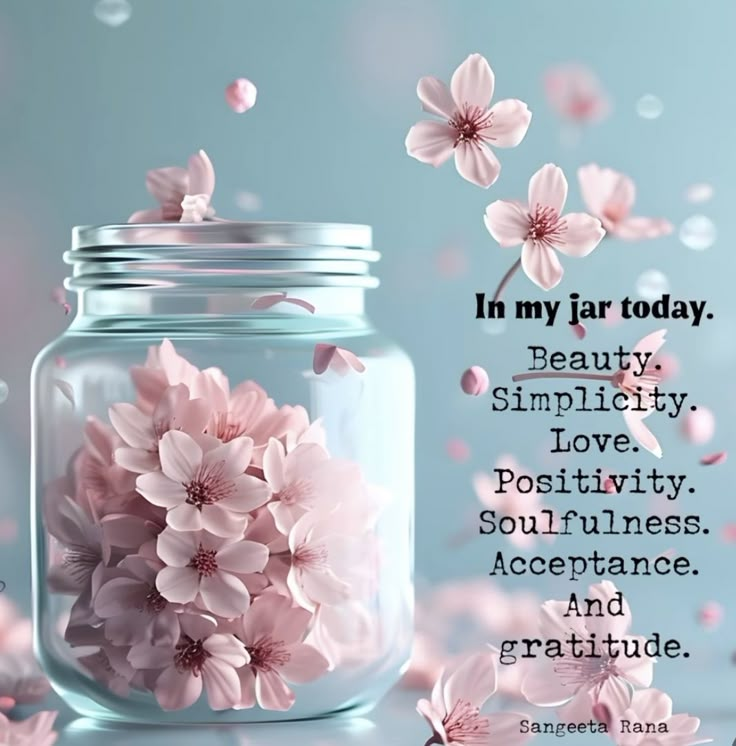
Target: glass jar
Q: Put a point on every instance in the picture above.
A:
(223, 478)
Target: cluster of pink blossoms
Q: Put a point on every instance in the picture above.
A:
(210, 542)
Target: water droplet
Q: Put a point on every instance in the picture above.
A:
(4, 391)
(494, 326)
(113, 13)
(699, 193)
(698, 233)
(248, 201)
(649, 106)
(652, 284)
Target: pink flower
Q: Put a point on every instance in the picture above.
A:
(207, 569)
(272, 631)
(510, 502)
(571, 681)
(142, 432)
(304, 479)
(241, 95)
(651, 707)
(183, 193)
(457, 698)
(202, 658)
(610, 196)
(470, 126)
(642, 386)
(575, 93)
(541, 227)
(204, 487)
(164, 367)
(36, 730)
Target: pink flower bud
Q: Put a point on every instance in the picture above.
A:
(241, 95)
(698, 426)
(474, 381)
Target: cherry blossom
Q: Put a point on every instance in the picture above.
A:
(454, 710)
(183, 194)
(273, 631)
(207, 569)
(610, 195)
(541, 227)
(470, 124)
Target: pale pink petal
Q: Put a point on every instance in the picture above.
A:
(250, 493)
(241, 95)
(272, 691)
(178, 584)
(185, 517)
(351, 359)
(474, 381)
(197, 626)
(511, 119)
(548, 188)
(167, 185)
(579, 330)
(713, 459)
(133, 426)
(226, 648)
(430, 142)
(337, 358)
(117, 596)
(229, 460)
(504, 729)
(176, 690)
(66, 390)
(642, 434)
(472, 83)
(477, 164)
(436, 97)
(243, 557)
(137, 460)
(154, 215)
(223, 594)
(507, 222)
(267, 301)
(579, 709)
(305, 664)
(201, 174)
(543, 687)
(474, 680)
(434, 718)
(638, 228)
(221, 683)
(541, 265)
(698, 426)
(247, 688)
(176, 548)
(323, 355)
(159, 490)
(639, 671)
(582, 234)
(180, 456)
(651, 343)
(651, 706)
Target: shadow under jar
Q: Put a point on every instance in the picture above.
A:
(223, 465)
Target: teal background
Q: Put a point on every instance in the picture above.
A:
(85, 110)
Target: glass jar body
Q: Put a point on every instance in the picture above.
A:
(322, 465)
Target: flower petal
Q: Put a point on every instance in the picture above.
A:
(222, 684)
(227, 648)
(430, 142)
(305, 664)
(243, 557)
(224, 594)
(185, 517)
(472, 83)
(176, 690)
(167, 185)
(477, 164)
(474, 681)
(548, 188)
(180, 456)
(436, 97)
(541, 265)
(542, 687)
(133, 426)
(159, 490)
(511, 119)
(272, 692)
(507, 222)
(201, 174)
(582, 234)
(643, 435)
(178, 584)
(638, 228)
(176, 548)
(504, 728)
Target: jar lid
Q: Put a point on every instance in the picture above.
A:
(222, 253)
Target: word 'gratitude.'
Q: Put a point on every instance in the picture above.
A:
(585, 310)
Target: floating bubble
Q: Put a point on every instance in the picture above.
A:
(4, 391)
(113, 13)
(494, 326)
(699, 193)
(248, 201)
(649, 106)
(652, 284)
(698, 233)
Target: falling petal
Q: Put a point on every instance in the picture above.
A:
(652, 284)
(58, 296)
(698, 233)
(474, 381)
(728, 533)
(710, 615)
(4, 391)
(337, 358)
(609, 486)
(241, 95)
(66, 389)
(458, 450)
(579, 331)
(698, 426)
(713, 459)
(612, 316)
(649, 106)
(699, 193)
(667, 365)
(267, 301)
(113, 13)
(248, 201)
(60, 362)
